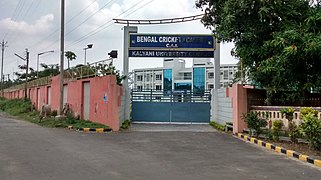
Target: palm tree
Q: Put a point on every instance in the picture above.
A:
(70, 56)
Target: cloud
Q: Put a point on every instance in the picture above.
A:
(41, 26)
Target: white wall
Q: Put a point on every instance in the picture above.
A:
(221, 107)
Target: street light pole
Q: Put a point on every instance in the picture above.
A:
(38, 60)
(62, 50)
(89, 46)
(27, 63)
(3, 45)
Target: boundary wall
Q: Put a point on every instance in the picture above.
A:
(105, 98)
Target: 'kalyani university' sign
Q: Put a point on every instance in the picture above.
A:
(147, 45)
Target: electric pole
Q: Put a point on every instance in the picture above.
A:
(27, 68)
(62, 51)
(3, 45)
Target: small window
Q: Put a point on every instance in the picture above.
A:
(231, 72)
(210, 86)
(139, 88)
(210, 75)
(187, 75)
(147, 77)
(158, 77)
(158, 87)
(139, 78)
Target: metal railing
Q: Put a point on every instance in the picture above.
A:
(99, 68)
(170, 96)
(33, 83)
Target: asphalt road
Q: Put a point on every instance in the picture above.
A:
(30, 152)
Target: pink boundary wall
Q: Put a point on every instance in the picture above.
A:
(239, 106)
(106, 113)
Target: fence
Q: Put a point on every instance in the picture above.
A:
(170, 96)
(99, 68)
(257, 97)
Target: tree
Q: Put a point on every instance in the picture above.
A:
(278, 41)
(70, 56)
(49, 70)
(22, 76)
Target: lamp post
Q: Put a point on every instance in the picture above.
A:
(27, 67)
(39, 54)
(89, 46)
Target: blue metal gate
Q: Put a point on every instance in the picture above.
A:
(160, 106)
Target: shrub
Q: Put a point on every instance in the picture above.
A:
(125, 124)
(276, 129)
(255, 122)
(311, 130)
(288, 112)
(54, 113)
(307, 110)
(217, 126)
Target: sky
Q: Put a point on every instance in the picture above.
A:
(35, 24)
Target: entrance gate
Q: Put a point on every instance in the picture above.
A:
(171, 107)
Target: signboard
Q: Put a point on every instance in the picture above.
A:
(168, 53)
(171, 41)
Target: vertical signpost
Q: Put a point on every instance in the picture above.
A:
(127, 31)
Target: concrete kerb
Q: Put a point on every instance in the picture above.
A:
(97, 130)
(280, 150)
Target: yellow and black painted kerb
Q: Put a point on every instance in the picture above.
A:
(98, 130)
(282, 150)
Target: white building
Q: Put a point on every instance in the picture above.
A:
(175, 76)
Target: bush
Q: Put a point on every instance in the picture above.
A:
(54, 113)
(276, 129)
(16, 106)
(125, 124)
(293, 133)
(255, 122)
(311, 130)
(288, 112)
(308, 110)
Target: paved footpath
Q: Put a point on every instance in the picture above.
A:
(30, 152)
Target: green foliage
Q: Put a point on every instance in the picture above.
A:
(255, 122)
(109, 69)
(49, 70)
(311, 130)
(288, 113)
(217, 126)
(293, 130)
(308, 110)
(16, 106)
(276, 129)
(70, 56)
(125, 124)
(279, 42)
(54, 113)
(23, 109)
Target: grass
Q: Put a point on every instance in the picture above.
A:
(217, 126)
(23, 109)
(125, 124)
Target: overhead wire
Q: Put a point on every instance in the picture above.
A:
(106, 25)
(70, 20)
(88, 18)
(13, 16)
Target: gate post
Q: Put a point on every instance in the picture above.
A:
(217, 62)
(127, 30)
